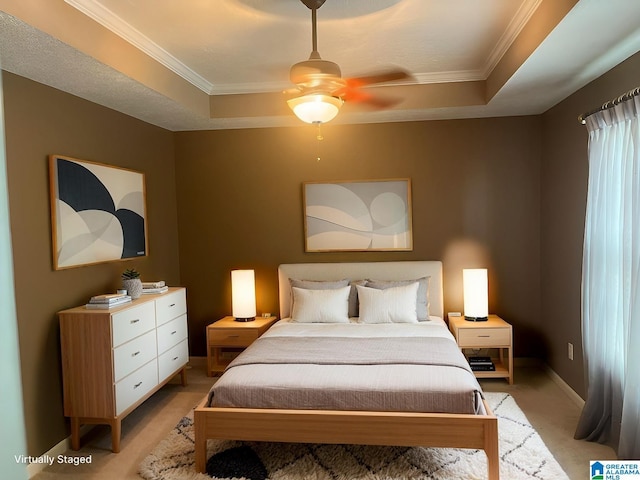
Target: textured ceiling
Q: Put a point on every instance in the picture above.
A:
(224, 63)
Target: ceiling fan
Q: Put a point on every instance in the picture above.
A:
(321, 86)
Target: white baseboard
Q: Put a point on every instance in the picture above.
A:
(59, 449)
(564, 386)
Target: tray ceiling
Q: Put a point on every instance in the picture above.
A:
(225, 63)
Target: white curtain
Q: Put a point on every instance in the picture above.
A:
(611, 281)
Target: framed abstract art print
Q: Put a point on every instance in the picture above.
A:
(365, 215)
(98, 212)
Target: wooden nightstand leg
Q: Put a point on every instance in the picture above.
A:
(209, 357)
(510, 365)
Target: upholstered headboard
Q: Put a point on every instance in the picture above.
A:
(364, 270)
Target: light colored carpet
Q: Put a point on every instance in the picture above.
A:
(523, 455)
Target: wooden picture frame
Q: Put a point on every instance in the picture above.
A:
(361, 215)
(98, 212)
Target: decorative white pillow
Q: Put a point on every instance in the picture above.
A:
(315, 285)
(320, 306)
(391, 305)
(422, 297)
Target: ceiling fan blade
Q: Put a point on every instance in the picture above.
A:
(291, 92)
(381, 103)
(374, 101)
(355, 88)
(395, 75)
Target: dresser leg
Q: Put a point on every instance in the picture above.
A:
(116, 427)
(75, 433)
(183, 376)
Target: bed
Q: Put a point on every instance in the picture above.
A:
(318, 381)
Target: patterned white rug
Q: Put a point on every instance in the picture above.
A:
(523, 455)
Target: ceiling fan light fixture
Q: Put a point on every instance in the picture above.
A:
(315, 107)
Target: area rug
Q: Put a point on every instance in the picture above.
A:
(523, 455)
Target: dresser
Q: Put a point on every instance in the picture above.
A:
(114, 359)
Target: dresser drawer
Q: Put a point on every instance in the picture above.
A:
(132, 322)
(171, 333)
(170, 306)
(135, 386)
(232, 337)
(483, 337)
(169, 362)
(132, 355)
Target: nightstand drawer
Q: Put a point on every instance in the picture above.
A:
(231, 337)
(483, 337)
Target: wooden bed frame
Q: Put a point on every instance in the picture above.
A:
(351, 427)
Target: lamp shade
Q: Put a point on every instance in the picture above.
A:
(315, 107)
(243, 295)
(476, 294)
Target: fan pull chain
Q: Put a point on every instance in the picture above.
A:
(320, 138)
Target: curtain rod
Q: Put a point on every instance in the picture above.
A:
(610, 104)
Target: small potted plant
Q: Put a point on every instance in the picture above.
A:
(132, 283)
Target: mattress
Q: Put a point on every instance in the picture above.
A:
(413, 367)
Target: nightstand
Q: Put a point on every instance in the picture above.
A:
(226, 338)
(494, 333)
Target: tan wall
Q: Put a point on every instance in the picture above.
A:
(564, 192)
(476, 198)
(42, 121)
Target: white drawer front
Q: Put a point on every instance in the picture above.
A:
(130, 389)
(132, 355)
(172, 360)
(170, 306)
(132, 322)
(171, 333)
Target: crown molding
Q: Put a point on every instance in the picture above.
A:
(113, 22)
(518, 22)
(449, 77)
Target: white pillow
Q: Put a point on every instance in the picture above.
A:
(422, 298)
(320, 306)
(392, 305)
(315, 285)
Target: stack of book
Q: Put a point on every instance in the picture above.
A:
(154, 287)
(108, 300)
(481, 364)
